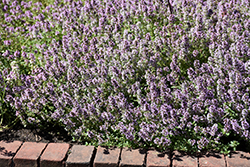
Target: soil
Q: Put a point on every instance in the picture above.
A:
(27, 134)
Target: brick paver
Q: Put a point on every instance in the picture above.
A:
(212, 160)
(180, 160)
(80, 156)
(29, 154)
(54, 155)
(239, 159)
(32, 154)
(7, 152)
(157, 159)
(107, 157)
(132, 158)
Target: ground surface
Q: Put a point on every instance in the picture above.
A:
(21, 133)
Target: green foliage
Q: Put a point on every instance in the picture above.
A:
(18, 41)
(7, 116)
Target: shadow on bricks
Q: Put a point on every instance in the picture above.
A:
(161, 154)
(106, 149)
(215, 155)
(6, 153)
(178, 156)
(156, 158)
(141, 150)
(241, 155)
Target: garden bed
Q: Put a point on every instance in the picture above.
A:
(170, 75)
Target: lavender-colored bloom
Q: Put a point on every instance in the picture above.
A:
(7, 42)
(31, 120)
(244, 113)
(203, 142)
(28, 14)
(235, 126)
(244, 124)
(16, 54)
(213, 130)
(165, 141)
(5, 8)
(9, 98)
(157, 141)
(6, 53)
(246, 134)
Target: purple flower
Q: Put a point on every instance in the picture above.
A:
(157, 141)
(165, 141)
(196, 108)
(90, 134)
(16, 54)
(196, 64)
(244, 124)
(6, 53)
(9, 98)
(28, 14)
(5, 8)
(7, 42)
(31, 120)
(213, 130)
(192, 142)
(203, 142)
(18, 104)
(235, 126)
(17, 113)
(74, 112)
(246, 134)
(191, 73)
(244, 113)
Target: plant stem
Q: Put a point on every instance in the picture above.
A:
(170, 7)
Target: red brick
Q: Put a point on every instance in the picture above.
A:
(239, 159)
(107, 157)
(180, 160)
(157, 159)
(212, 160)
(80, 156)
(7, 152)
(54, 155)
(29, 154)
(133, 158)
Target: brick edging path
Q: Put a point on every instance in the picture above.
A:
(32, 154)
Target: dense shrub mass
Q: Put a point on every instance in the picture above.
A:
(130, 73)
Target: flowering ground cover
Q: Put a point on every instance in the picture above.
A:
(138, 73)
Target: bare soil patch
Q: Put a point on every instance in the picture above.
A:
(27, 134)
